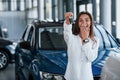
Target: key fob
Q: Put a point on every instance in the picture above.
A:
(71, 20)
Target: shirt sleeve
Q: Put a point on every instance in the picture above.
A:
(91, 49)
(67, 32)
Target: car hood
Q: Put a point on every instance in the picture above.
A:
(58, 59)
(4, 42)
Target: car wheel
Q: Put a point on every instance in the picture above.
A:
(4, 60)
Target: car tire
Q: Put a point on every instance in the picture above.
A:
(4, 60)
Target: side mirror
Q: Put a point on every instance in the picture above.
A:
(25, 45)
(5, 32)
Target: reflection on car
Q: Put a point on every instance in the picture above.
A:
(41, 52)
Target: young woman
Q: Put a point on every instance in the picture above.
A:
(82, 46)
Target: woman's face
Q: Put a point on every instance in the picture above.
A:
(84, 22)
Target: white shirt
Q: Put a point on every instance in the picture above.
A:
(80, 56)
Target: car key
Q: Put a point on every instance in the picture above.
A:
(71, 20)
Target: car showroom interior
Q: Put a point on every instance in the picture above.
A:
(32, 45)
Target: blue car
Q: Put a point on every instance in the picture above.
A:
(41, 52)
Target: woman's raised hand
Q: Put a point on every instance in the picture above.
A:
(67, 16)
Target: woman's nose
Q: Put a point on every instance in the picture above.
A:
(84, 23)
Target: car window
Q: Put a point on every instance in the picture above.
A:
(52, 38)
(30, 34)
(105, 36)
(113, 41)
(106, 40)
(26, 32)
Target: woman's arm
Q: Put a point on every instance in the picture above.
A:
(67, 32)
(67, 27)
(91, 53)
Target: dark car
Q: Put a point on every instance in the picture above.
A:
(7, 51)
(41, 53)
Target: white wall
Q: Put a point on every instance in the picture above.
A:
(14, 22)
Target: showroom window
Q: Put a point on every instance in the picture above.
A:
(13, 5)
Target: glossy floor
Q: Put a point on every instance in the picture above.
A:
(8, 73)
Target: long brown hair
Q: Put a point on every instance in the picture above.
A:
(76, 29)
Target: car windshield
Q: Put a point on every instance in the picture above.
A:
(51, 38)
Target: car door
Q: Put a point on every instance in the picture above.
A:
(26, 48)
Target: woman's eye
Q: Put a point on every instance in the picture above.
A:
(80, 20)
(87, 20)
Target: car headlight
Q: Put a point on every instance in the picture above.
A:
(12, 47)
(50, 76)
